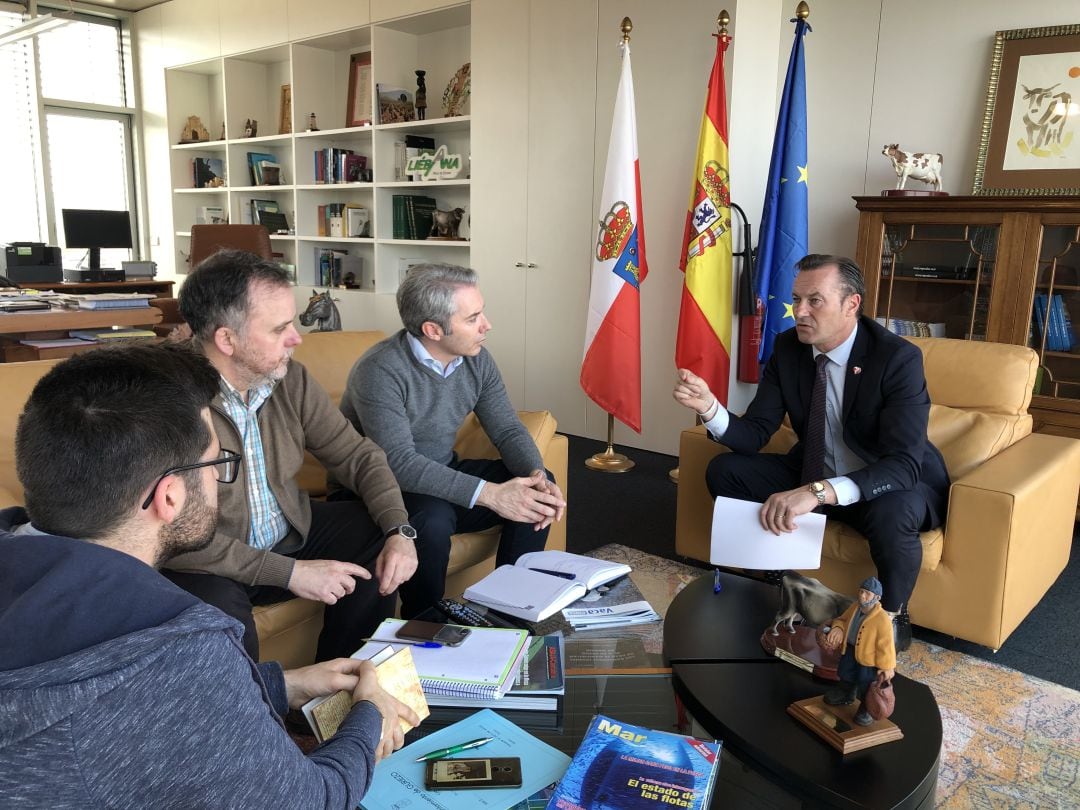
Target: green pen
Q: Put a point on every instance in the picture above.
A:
(454, 749)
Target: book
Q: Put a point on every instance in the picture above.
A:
(399, 779)
(395, 104)
(633, 768)
(211, 215)
(1059, 317)
(542, 583)
(356, 220)
(395, 672)
(115, 333)
(208, 172)
(485, 665)
(109, 301)
(275, 221)
(593, 618)
(540, 680)
(257, 206)
(257, 162)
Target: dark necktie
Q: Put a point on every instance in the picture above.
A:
(813, 466)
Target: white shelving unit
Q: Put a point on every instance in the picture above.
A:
(225, 92)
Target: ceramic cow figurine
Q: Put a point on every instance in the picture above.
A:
(925, 166)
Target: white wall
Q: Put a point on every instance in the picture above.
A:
(907, 71)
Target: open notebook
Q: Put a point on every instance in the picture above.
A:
(542, 582)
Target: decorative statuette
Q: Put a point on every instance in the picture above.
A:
(421, 96)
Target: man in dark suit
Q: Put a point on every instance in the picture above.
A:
(856, 397)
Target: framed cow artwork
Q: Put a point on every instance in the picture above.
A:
(1030, 139)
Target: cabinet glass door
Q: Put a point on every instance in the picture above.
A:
(1057, 300)
(936, 279)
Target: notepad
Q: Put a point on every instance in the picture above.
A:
(525, 593)
(485, 665)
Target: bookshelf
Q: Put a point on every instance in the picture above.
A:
(984, 268)
(226, 92)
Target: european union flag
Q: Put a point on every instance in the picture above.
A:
(782, 239)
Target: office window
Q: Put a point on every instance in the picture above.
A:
(69, 142)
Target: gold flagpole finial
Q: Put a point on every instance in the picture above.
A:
(722, 20)
(802, 11)
(626, 28)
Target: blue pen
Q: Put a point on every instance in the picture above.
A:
(427, 645)
(716, 586)
(561, 574)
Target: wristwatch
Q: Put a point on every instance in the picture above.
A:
(818, 488)
(405, 530)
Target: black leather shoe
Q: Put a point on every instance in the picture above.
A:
(841, 695)
(902, 630)
(862, 717)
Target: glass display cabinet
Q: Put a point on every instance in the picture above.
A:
(1004, 269)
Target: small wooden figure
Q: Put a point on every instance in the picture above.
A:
(312, 124)
(421, 96)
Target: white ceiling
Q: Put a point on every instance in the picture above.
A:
(127, 5)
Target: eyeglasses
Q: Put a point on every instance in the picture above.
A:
(229, 461)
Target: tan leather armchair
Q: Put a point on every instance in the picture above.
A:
(1012, 503)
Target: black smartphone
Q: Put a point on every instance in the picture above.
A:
(465, 774)
(448, 634)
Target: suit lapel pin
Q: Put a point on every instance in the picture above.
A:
(856, 369)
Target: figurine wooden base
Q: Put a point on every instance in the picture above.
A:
(836, 725)
(802, 649)
(913, 192)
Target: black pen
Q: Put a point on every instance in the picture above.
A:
(560, 574)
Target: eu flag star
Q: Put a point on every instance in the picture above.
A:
(789, 311)
(802, 173)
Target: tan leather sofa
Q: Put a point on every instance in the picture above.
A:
(1012, 504)
(288, 630)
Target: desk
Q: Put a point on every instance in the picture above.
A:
(16, 326)
(161, 289)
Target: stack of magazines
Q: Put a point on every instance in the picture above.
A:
(593, 618)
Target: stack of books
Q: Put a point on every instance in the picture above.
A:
(107, 301)
(413, 214)
(334, 165)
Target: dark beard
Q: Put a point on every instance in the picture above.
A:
(193, 529)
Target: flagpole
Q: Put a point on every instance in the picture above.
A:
(610, 461)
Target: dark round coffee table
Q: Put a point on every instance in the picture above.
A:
(740, 696)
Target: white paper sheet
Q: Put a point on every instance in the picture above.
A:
(739, 541)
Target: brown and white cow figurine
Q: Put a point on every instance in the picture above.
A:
(925, 166)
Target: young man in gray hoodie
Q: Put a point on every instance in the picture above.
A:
(117, 688)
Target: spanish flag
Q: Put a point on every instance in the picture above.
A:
(703, 344)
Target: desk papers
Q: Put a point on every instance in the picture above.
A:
(738, 541)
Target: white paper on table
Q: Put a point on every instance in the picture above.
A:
(739, 541)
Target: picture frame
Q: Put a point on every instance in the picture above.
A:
(1029, 144)
(358, 109)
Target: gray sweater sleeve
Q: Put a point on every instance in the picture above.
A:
(502, 425)
(207, 737)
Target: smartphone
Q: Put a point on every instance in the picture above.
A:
(465, 774)
(449, 634)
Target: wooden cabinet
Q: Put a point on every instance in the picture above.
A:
(1005, 269)
(227, 91)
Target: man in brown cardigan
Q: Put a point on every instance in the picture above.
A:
(272, 541)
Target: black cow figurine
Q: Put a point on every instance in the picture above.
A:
(323, 312)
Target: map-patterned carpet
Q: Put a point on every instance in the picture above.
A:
(1011, 741)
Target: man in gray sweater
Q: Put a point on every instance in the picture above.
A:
(117, 688)
(412, 392)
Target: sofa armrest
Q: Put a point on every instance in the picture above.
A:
(1008, 535)
(8, 498)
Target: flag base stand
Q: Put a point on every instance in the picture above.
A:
(609, 461)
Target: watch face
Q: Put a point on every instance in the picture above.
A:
(408, 532)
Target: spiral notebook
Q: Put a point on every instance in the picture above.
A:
(484, 666)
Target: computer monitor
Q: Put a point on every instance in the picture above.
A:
(95, 230)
